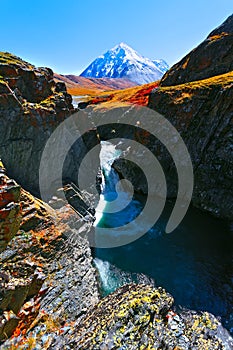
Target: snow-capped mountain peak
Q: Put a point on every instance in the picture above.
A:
(128, 52)
(124, 62)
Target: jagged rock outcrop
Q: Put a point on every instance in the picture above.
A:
(141, 317)
(32, 105)
(212, 57)
(29, 83)
(46, 268)
(133, 317)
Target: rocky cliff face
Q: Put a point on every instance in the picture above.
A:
(210, 58)
(46, 266)
(10, 210)
(202, 112)
(32, 105)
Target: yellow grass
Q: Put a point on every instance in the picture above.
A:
(223, 79)
(82, 91)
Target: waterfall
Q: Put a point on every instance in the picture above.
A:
(109, 179)
(116, 207)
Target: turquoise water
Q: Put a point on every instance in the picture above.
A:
(194, 263)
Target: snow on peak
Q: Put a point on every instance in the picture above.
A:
(124, 62)
(122, 45)
(129, 52)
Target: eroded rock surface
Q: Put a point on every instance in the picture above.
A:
(45, 265)
(134, 317)
(32, 106)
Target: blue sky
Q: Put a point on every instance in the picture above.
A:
(67, 35)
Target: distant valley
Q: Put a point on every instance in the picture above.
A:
(119, 68)
(78, 85)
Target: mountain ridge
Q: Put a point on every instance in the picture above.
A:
(77, 85)
(124, 62)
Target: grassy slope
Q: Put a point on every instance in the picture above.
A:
(139, 95)
(222, 79)
(136, 95)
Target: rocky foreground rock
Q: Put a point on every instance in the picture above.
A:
(142, 317)
(45, 266)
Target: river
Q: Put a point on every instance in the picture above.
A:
(194, 263)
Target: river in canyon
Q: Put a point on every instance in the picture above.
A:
(194, 263)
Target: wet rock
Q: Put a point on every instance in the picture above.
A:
(83, 105)
(77, 200)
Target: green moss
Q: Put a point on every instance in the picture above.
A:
(8, 58)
